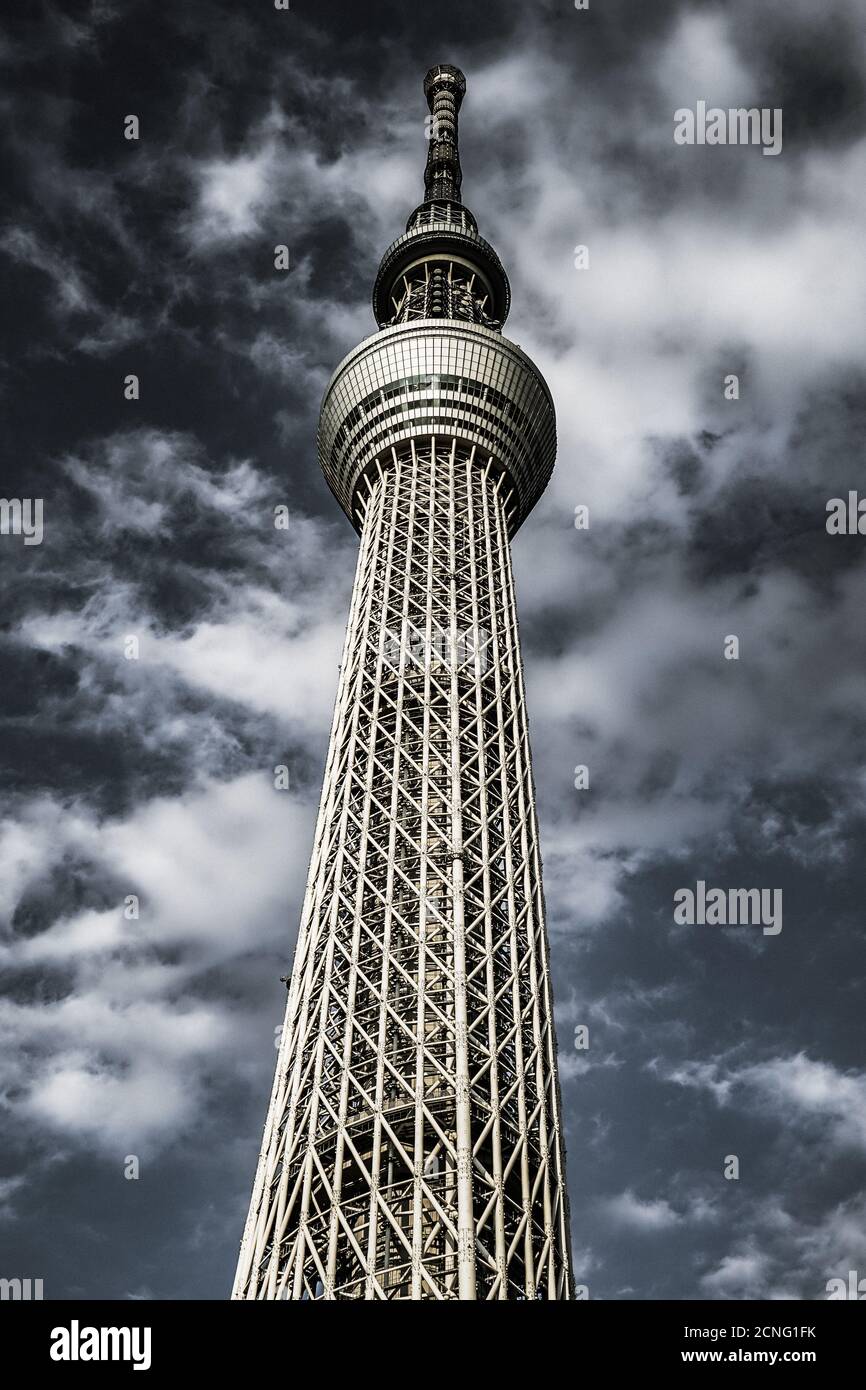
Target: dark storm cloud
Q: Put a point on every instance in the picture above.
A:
(154, 777)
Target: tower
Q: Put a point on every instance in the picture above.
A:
(413, 1144)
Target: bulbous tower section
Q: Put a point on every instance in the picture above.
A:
(440, 363)
(413, 1146)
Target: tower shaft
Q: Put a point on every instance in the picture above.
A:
(412, 1149)
(413, 1146)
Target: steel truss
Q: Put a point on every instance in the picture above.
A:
(413, 1148)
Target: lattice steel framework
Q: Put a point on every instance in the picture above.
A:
(413, 1147)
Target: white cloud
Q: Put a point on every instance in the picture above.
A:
(737, 1276)
(122, 1057)
(258, 656)
(701, 1076)
(800, 1088)
(233, 194)
(796, 1089)
(697, 59)
(642, 1216)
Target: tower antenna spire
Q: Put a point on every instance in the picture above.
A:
(444, 88)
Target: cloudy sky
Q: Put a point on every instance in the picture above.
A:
(154, 777)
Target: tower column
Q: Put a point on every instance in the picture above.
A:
(413, 1145)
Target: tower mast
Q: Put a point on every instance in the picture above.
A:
(413, 1146)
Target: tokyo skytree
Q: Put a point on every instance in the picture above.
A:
(413, 1147)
